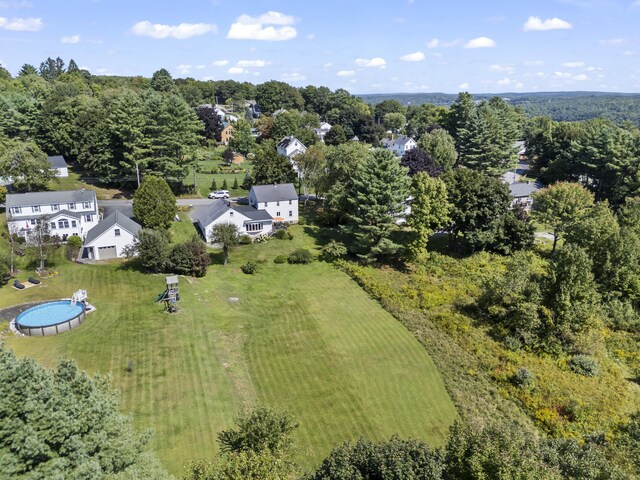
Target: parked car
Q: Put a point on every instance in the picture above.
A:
(219, 194)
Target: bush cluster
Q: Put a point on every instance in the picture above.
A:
(249, 268)
(584, 365)
(284, 234)
(300, 256)
(280, 259)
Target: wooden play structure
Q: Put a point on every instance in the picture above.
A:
(171, 296)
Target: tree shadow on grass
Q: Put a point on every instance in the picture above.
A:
(217, 258)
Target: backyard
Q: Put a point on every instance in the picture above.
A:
(302, 337)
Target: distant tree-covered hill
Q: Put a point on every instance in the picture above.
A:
(561, 106)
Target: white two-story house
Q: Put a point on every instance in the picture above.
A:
(280, 200)
(399, 145)
(68, 212)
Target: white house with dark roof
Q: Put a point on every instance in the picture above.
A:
(280, 200)
(110, 237)
(290, 147)
(248, 220)
(399, 145)
(522, 193)
(322, 131)
(59, 166)
(68, 212)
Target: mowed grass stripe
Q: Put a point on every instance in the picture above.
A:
(305, 338)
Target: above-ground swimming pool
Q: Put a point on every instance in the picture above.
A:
(51, 318)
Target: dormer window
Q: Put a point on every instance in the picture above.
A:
(55, 207)
(16, 210)
(35, 209)
(86, 204)
(72, 206)
(266, 204)
(277, 204)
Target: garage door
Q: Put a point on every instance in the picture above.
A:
(107, 252)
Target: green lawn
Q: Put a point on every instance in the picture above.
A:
(305, 338)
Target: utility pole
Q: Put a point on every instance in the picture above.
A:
(138, 174)
(195, 184)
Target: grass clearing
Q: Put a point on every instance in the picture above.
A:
(305, 338)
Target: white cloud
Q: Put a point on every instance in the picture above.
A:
(501, 68)
(534, 63)
(247, 27)
(413, 57)
(562, 74)
(464, 86)
(434, 43)
(237, 71)
(537, 24)
(14, 4)
(21, 24)
(480, 42)
(252, 63)
(220, 63)
(328, 65)
(504, 81)
(70, 39)
(293, 77)
(612, 42)
(184, 69)
(581, 78)
(573, 64)
(375, 62)
(180, 32)
(200, 67)
(346, 73)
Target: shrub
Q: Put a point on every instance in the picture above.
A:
(282, 234)
(74, 241)
(333, 251)
(280, 259)
(524, 378)
(249, 268)
(512, 343)
(584, 365)
(245, 239)
(214, 185)
(300, 256)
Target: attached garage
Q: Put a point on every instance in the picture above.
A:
(104, 253)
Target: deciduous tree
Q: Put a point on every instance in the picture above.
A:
(429, 211)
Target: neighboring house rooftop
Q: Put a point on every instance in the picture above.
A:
(44, 198)
(286, 141)
(57, 161)
(116, 218)
(275, 193)
(519, 190)
(207, 214)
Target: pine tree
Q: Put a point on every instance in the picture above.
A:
(214, 185)
(224, 185)
(376, 198)
(235, 183)
(154, 204)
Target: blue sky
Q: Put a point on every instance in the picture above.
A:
(365, 46)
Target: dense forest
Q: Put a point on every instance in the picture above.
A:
(560, 106)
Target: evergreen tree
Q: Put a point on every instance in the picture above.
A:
(153, 250)
(27, 69)
(225, 186)
(127, 124)
(154, 204)
(271, 167)
(214, 185)
(429, 211)
(235, 183)
(73, 67)
(161, 81)
(376, 199)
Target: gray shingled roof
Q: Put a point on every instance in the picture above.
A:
(275, 193)
(48, 198)
(207, 214)
(253, 213)
(519, 190)
(284, 143)
(57, 161)
(116, 218)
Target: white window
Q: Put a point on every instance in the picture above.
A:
(16, 210)
(35, 209)
(32, 221)
(116, 232)
(277, 214)
(291, 213)
(88, 218)
(64, 223)
(55, 207)
(86, 204)
(53, 225)
(254, 227)
(231, 214)
(74, 224)
(72, 206)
